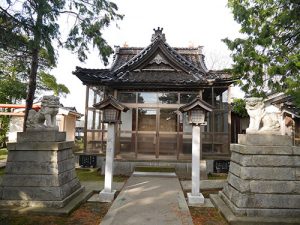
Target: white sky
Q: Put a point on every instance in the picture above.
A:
(197, 22)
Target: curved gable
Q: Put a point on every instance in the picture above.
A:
(159, 53)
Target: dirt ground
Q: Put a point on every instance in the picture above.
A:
(206, 216)
(87, 214)
(93, 213)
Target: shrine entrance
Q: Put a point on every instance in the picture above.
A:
(157, 132)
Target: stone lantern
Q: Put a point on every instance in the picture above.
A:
(112, 109)
(196, 110)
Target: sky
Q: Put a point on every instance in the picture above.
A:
(185, 24)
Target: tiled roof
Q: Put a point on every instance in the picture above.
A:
(159, 76)
(287, 103)
(124, 54)
(88, 76)
(197, 102)
(158, 63)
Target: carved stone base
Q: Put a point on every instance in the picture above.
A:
(264, 177)
(40, 171)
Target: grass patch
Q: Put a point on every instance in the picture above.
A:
(89, 175)
(217, 176)
(154, 169)
(3, 153)
(2, 171)
(93, 174)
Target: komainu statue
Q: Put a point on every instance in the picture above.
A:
(260, 120)
(270, 123)
(48, 111)
(256, 110)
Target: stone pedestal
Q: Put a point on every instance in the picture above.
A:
(264, 178)
(40, 171)
(107, 196)
(195, 199)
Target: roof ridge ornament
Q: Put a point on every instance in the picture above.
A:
(158, 34)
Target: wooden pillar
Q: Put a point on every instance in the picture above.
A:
(86, 118)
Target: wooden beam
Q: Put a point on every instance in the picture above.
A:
(16, 106)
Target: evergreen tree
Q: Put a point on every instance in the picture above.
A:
(267, 56)
(30, 27)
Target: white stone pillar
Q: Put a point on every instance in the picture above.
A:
(282, 124)
(107, 194)
(195, 160)
(196, 197)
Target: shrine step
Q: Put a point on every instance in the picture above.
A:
(154, 171)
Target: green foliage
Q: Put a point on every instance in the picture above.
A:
(12, 79)
(29, 25)
(49, 82)
(11, 89)
(239, 107)
(268, 54)
(2, 171)
(3, 153)
(4, 126)
(13, 74)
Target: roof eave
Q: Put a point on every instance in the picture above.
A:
(197, 102)
(110, 100)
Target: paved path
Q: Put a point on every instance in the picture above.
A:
(147, 200)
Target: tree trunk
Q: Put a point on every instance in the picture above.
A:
(31, 84)
(34, 61)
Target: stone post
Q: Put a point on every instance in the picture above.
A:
(196, 197)
(107, 194)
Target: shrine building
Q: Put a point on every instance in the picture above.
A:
(153, 82)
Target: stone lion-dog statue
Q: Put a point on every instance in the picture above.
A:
(260, 120)
(48, 111)
(256, 110)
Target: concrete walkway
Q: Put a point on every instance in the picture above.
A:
(149, 200)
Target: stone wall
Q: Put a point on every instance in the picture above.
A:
(264, 177)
